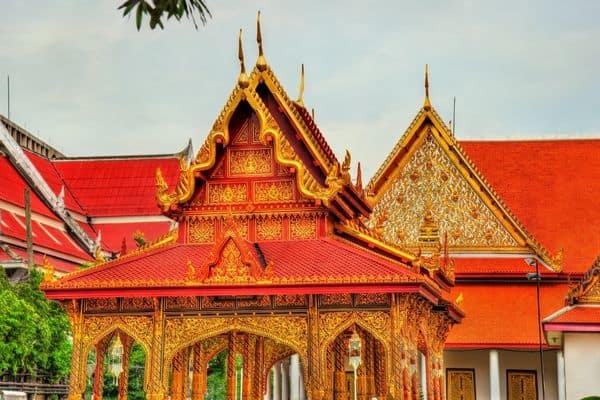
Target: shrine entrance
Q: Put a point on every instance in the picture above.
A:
(255, 368)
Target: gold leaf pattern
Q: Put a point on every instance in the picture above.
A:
(457, 208)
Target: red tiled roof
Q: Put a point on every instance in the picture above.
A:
(113, 234)
(552, 188)
(44, 235)
(46, 168)
(59, 264)
(320, 261)
(316, 132)
(116, 187)
(502, 314)
(12, 187)
(580, 314)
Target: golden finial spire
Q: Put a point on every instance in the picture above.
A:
(427, 104)
(261, 62)
(301, 90)
(243, 78)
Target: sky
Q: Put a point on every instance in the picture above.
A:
(86, 81)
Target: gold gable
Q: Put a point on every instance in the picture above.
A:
(427, 192)
(459, 212)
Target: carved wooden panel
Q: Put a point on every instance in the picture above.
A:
(521, 384)
(227, 193)
(99, 305)
(137, 304)
(460, 384)
(202, 230)
(182, 303)
(457, 208)
(269, 228)
(274, 191)
(303, 227)
(291, 300)
(250, 162)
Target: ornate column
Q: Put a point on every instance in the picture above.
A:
(178, 378)
(315, 384)
(155, 389)
(98, 384)
(199, 372)
(124, 375)
(379, 371)
(414, 374)
(78, 356)
(394, 374)
(231, 369)
(339, 369)
(370, 366)
(248, 353)
(261, 381)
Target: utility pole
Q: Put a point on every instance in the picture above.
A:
(28, 227)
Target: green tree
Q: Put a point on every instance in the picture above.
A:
(159, 9)
(34, 332)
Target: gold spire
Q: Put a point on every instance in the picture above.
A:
(301, 90)
(261, 62)
(359, 184)
(243, 78)
(427, 104)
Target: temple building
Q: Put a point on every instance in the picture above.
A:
(434, 280)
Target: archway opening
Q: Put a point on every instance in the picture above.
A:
(116, 369)
(236, 365)
(369, 380)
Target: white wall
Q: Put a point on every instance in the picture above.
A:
(476, 359)
(479, 360)
(582, 364)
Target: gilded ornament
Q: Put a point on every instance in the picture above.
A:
(251, 162)
(274, 191)
(220, 193)
(201, 230)
(466, 217)
(303, 227)
(269, 228)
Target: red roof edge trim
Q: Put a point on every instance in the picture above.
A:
(506, 346)
(58, 294)
(572, 327)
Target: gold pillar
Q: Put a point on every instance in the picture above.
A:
(260, 378)
(315, 382)
(99, 370)
(395, 383)
(155, 385)
(231, 369)
(78, 377)
(414, 375)
(177, 383)
(248, 353)
(124, 375)
(199, 373)
(379, 371)
(339, 369)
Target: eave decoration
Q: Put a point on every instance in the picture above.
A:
(428, 168)
(588, 290)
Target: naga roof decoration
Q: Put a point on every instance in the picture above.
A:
(427, 186)
(588, 290)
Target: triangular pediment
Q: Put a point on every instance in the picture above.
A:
(428, 190)
(274, 136)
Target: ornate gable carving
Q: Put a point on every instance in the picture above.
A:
(231, 261)
(429, 176)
